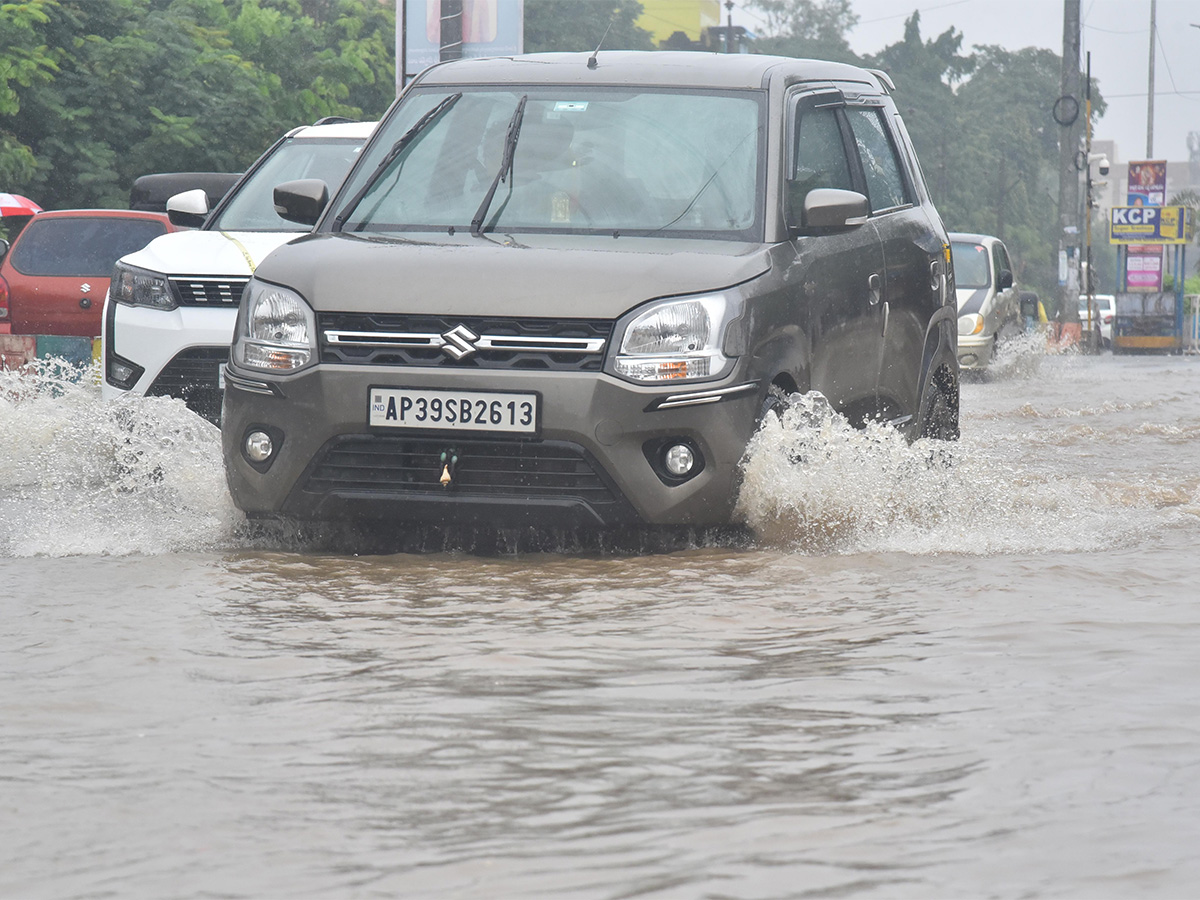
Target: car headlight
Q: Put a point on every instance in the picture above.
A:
(674, 340)
(140, 287)
(276, 329)
(971, 323)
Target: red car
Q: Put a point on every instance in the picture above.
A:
(54, 276)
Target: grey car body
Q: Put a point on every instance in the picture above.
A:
(624, 358)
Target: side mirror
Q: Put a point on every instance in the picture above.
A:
(825, 209)
(188, 209)
(1004, 280)
(301, 201)
(4, 245)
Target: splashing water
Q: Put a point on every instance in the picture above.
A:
(81, 476)
(814, 483)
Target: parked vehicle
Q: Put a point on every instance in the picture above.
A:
(54, 276)
(153, 191)
(567, 288)
(1103, 312)
(169, 317)
(989, 307)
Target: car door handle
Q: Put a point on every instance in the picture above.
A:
(875, 285)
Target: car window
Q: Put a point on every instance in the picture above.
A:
(1000, 258)
(971, 268)
(820, 154)
(83, 246)
(881, 165)
(585, 160)
(252, 208)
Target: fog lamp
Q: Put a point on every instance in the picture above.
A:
(679, 459)
(259, 447)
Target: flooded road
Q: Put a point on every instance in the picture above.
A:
(926, 673)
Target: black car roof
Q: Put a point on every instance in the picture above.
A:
(665, 68)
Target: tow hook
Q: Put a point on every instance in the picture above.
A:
(449, 462)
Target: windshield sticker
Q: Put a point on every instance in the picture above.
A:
(570, 106)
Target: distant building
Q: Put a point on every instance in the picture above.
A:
(692, 25)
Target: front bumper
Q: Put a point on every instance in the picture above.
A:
(593, 463)
(180, 352)
(975, 351)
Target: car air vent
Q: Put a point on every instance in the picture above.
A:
(515, 469)
(218, 292)
(574, 345)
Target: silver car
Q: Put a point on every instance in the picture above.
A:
(989, 306)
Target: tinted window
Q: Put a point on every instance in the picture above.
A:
(971, 268)
(885, 183)
(1001, 257)
(586, 160)
(820, 154)
(80, 246)
(253, 207)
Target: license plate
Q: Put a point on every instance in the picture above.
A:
(445, 410)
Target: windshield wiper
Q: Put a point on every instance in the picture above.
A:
(506, 164)
(397, 148)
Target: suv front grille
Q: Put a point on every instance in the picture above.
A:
(502, 469)
(570, 345)
(218, 292)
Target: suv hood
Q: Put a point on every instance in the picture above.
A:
(208, 252)
(537, 275)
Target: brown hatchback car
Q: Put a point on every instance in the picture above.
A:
(566, 288)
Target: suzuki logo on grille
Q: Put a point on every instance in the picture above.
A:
(459, 342)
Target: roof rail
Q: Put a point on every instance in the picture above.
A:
(334, 120)
(884, 79)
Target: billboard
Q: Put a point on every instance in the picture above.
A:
(489, 28)
(1147, 183)
(1150, 224)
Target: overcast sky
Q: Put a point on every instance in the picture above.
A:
(1117, 32)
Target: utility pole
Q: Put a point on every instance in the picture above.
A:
(401, 45)
(1067, 111)
(1150, 91)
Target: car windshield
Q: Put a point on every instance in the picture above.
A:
(252, 208)
(81, 246)
(583, 161)
(970, 265)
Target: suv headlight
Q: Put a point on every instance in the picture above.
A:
(971, 323)
(276, 329)
(140, 287)
(674, 340)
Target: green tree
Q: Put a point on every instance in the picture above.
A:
(24, 62)
(582, 24)
(806, 29)
(142, 86)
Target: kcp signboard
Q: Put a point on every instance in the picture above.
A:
(1150, 225)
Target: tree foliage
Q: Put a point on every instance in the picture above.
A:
(808, 29)
(113, 89)
(582, 25)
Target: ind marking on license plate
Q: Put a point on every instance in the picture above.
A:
(453, 410)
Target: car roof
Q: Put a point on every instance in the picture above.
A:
(360, 130)
(94, 213)
(966, 236)
(666, 68)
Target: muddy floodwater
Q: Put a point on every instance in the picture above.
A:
(964, 671)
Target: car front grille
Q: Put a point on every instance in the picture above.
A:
(571, 345)
(192, 376)
(216, 292)
(517, 470)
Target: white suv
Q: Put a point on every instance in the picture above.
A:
(171, 306)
